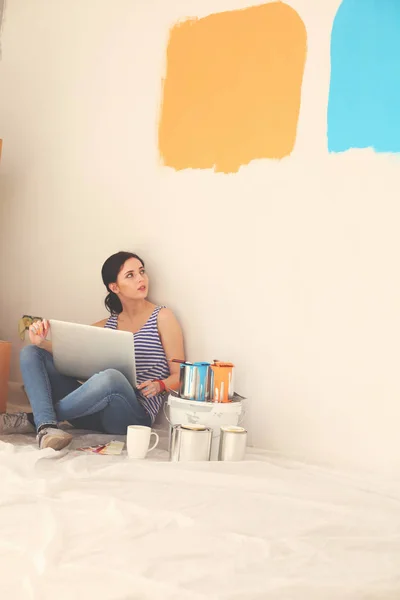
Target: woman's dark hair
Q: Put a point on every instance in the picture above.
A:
(109, 273)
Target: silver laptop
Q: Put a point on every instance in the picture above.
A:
(81, 351)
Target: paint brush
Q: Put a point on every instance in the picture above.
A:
(178, 360)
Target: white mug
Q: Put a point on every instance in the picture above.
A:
(138, 439)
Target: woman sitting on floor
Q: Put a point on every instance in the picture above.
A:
(106, 402)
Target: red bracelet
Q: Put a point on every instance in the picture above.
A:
(162, 385)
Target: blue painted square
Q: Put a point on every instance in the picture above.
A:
(364, 96)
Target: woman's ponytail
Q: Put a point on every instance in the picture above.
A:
(113, 303)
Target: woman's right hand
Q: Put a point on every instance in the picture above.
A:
(38, 332)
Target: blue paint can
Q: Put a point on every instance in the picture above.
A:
(194, 381)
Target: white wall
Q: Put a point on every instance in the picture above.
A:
(301, 290)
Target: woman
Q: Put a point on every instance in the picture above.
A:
(106, 402)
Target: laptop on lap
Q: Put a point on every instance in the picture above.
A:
(81, 351)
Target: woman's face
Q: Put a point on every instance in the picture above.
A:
(132, 281)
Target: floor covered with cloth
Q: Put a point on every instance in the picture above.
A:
(108, 528)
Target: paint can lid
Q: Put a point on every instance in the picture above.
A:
(233, 429)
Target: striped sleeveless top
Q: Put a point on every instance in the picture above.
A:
(150, 359)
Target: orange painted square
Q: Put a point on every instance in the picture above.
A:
(232, 88)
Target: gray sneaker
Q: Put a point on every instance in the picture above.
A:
(51, 437)
(15, 423)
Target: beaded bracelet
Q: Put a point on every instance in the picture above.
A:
(161, 384)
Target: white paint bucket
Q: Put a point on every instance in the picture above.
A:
(210, 414)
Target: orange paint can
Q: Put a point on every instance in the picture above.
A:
(221, 384)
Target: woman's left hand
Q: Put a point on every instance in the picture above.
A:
(149, 388)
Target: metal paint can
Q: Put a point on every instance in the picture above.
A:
(194, 381)
(232, 444)
(190, 443)
(221, 384)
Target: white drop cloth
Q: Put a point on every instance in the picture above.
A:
(102, 527)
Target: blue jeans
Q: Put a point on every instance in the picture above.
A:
(106, 402)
